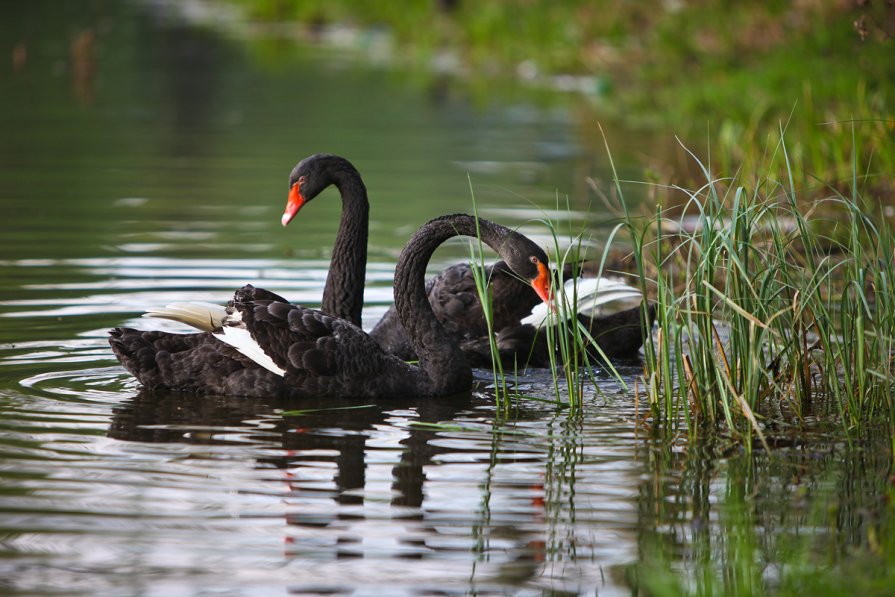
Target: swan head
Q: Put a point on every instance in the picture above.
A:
(541, 282)
(530, 262)
(313, 174)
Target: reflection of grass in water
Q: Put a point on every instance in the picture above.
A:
(805, 291)
(800, 522)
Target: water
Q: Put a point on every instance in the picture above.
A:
(144, 160)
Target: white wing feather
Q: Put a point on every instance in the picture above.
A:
(592, 294)
(240, 339)
(209, 317)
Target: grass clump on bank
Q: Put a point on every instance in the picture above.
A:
(770, 310)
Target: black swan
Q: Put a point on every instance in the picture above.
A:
(261, 345)
(452, 293)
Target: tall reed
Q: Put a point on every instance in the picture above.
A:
(569, 343)
(571, 347)
(483, 288)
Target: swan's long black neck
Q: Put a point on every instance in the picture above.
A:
(441, 360)
(343, 294)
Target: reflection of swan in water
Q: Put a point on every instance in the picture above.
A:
(345, 433)
(343, 426)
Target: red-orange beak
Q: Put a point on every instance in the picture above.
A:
(541, 284)
(293, 204)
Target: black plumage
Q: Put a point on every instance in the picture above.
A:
(320, 355)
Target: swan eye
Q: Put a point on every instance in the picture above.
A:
(534, 259)
(301, 180)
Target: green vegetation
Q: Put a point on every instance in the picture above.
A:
(706, 69)
(570, 346)
(307, 411)
(567, 339)
(806, 299)
(771, 310)
(572, 350)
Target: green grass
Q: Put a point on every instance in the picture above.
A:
(571, 347)
(307, 411)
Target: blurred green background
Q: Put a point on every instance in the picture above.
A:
(725, 77)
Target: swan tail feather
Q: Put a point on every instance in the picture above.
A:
(205, 317)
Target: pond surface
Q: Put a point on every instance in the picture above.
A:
(145, 160)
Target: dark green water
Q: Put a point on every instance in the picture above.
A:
(150, 165)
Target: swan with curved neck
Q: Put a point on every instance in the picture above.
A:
(439, 355)
(343, 294)
(262, 345)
